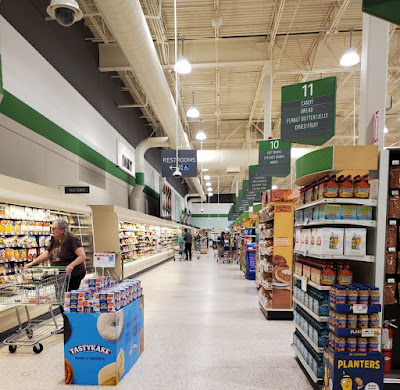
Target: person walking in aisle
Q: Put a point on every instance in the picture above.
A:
(181, 242)
(188, 244)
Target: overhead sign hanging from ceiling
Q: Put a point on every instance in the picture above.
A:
(187, 162)
(388, 10)
(258, 183)
(308, 112)
(274, 158)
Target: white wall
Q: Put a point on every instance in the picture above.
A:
(210, 223)
(29, 156)
(211, 208)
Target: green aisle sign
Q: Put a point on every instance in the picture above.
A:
(388, 10)
(274, 158)
(258, 183)
(308, 112)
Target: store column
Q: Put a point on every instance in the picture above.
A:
(374, 59)
(268, 105)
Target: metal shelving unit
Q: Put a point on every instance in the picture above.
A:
(313, 284)
(311, 342)
(367, 258)
(310, 312)
(310, 372)
(353, 201)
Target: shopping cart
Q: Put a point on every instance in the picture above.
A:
(224, 251)
(178, 253)
(197, 243)
(35, 286)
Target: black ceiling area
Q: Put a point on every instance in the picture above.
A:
(75, 57)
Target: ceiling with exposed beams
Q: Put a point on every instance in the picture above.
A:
(296, 40)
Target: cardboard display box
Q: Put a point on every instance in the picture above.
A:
(100, 348)
(353, 371)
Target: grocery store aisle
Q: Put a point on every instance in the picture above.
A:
(203, 330)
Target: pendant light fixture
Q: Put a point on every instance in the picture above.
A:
(350, 56)
(207, 177)
(209, 189)
(193, 112)
(210, 194)
(182, 66)
(208, 184)
(201, 136)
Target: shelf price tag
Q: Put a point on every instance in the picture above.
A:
(395, 162)
(393, 222)
(104, 260)
(371, 332)
(304, 283)
(392, 249)
(360, 309)
(395, 192)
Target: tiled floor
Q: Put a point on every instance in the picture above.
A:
(203, 330)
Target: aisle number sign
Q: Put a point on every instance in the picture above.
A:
(308, 112)
(274, 158)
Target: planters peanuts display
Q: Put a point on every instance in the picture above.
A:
(353, 371)
(101, 347)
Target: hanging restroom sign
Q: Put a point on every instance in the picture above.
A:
(308, 112)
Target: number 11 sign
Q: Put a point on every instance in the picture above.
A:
(308, 112)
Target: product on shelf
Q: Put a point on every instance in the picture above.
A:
(389, 295)
(101, 294)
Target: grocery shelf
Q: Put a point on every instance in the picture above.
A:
(263, 285)
(367, 258)
(310, 372)
(394, 377)
(313, 284)
(311, 342)
(356, 201)
(351, 222)
(310, 312)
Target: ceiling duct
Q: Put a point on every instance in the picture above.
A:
(127, 23)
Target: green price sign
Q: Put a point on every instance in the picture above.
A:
(388, 10)
(274, 158)
(308, 112)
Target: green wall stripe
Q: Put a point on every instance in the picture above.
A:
(17, 110)
(140, 178)
(209, 215)
(149, 191)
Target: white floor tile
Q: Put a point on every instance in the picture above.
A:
(203, 330)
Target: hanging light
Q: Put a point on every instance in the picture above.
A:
(193, 112)
(208, 184)
(182, 66)
(207, 177)
(209, 189)
(204, 169)
(274, 187)
(201, 136)
(350, 56)
(210, 194)
(386, 130)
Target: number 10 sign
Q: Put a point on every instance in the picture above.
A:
(308, 112)
(274, 158)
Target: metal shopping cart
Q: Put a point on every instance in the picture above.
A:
(197, 243)
(35, 286)
(178, 252)
(224, 251)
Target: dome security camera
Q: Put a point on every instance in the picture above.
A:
(202, 210)
(66, 12)
(177, 173)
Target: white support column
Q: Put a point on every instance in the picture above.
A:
(374, 64)
(268, 106)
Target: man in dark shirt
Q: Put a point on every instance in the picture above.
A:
(188, 244)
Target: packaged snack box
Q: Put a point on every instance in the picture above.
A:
(355, 242)
(349, 212)
(330, 211)
(364, 212)
(329, 241)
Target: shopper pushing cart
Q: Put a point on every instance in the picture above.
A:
(35, 286)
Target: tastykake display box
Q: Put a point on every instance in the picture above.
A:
(100, 348)
(353, 371)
